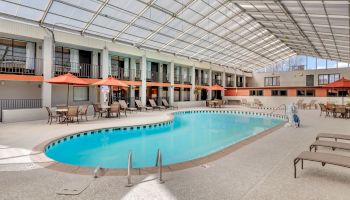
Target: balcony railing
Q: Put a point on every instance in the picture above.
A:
(166, 78)
(230, 83)
(136, 74)
(182, 79)
(78, 69)
(205, 81)
(239, 84)
(216, 82)
(10, 104)
(120, 73)
(21, 65)
(186, 79)
(152, 76)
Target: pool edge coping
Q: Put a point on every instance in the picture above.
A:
(73, 169)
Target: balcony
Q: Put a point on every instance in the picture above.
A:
(177, 79)
(239, 84)
(120, 73)
(166, 78)
(230, 84)
(205, 81)
(216, 82)
(78, 69)
(152, 76)
(21, 66)
(186, 79)
(136, 74)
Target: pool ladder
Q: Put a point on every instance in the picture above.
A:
(159, 164)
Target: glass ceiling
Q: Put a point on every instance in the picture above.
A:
(241, 34)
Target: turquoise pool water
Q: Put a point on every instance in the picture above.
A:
(189, 136)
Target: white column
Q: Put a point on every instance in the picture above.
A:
(182, 92)
(94, 68)
(171, 88)
(160, 79)
(193, 82)
(244, 81)
(143, 80)
(223, 80)
(46, 89)
(126, 68)
(210, 83)
(132, 78)
(235, 80)
(104, 74)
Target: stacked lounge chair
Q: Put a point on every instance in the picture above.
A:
(141, 107)
(166, 104)
(325, 158)
(154, 105)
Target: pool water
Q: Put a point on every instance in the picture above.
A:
(190, 136)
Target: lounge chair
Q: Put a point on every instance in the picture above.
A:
(258, 103)
(166, 104)
(154, 105)
(83, 111)
(324, 158)
(330, 144)
(333, 136)
(52, 115)
(140, 106)
(115, 109)
(125, 107)
(98, 110)
(73, 112)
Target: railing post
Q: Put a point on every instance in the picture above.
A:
(160, 166)
(129, 184)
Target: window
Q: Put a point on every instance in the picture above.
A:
(272, 81)
(321, 63)
(310, 80)
(15, 49)
(306, 92)
(279, 93)
(311, 63)
(324, 79)
(331, 64)
(256, 93)
(80, 93)
(342, 64)
(62, 56)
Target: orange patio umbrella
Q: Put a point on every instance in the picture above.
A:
(341, 83)
(216, 88)
(67, 79)
(111, 81)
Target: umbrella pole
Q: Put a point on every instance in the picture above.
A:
(67, 95)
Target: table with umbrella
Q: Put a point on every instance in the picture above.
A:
(216, 88)
(66, 79)
(340, 84)
(111, 82)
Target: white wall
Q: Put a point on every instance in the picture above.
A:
(295, 78)
(59, 95)
(20, 90)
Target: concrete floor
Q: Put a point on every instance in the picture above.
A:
(260, 170)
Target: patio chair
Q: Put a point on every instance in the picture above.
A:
(140, 106)
(98, 110)
(334, 136)
(311, 104)
(52, 115)
(300, 103)
(331, 144)
(166, 104)
(341, 110)
(83, 111)
(115, 109)
(323, 158)
(323, 109)
(244, 102)
(154, 105)
(125, 107)
(73, 112)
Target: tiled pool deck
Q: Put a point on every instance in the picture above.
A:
(260, 168)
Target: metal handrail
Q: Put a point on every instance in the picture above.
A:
(159, 164)
(129, 184)
(285, 109)
(97, 169)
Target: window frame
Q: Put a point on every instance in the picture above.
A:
(87, 95)
(272, 81)
(328, 78)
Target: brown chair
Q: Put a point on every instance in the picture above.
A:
(323, 109)
(258, 103)
(52, 115)
(73, 112)
(141, 107)
(125, 107)
(341, 110)
(166, 104)
(115, 109)
(154, 105)
(98, 111)
(83, 111)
